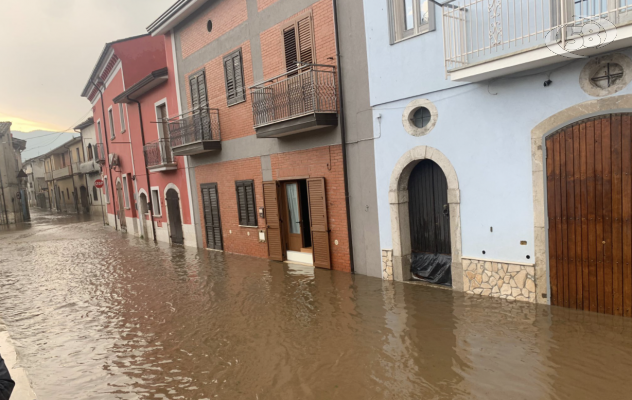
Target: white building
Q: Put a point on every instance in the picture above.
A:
(36, 187)
(94, 156)
(502, 158)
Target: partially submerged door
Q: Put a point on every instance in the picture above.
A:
(121, 205)
(212, 221)
(84, 199)
(276, 247)
(318, 222)
(589, 198)
(175, 218)
(293, 218)
(429, 215)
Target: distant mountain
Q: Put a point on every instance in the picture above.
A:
(41, 142)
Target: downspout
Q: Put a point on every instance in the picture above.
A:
(107, 150)
(72, 177)
(343, 135)
(142, 136)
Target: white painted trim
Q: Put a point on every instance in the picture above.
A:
(126, 198)
(106, 192)
(186, 159)
(151, 197)
(122, 118)
(110, 115)
(161, 134)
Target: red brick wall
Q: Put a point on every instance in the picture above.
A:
(262, 4)
(225, 174)
(319, 162)
(236, 120)
(225, 15)
(324, 37)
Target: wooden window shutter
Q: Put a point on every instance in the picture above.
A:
(246, 203)
(212, 221)
(305, 40)
(241, 203)
(291, 51)
(318, 222)
(199, 97)
(234, 73)
(276, 248)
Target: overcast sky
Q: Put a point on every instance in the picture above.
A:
(48, 49)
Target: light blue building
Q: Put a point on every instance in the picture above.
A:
(481, 89)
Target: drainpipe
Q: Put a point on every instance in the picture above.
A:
(343, 134)
(142, 136)
(107, 150)
(72, 177)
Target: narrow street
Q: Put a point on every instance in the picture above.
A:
(95, 314)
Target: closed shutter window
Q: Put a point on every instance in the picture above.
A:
(199, 97)
(234, 73)
(298, 41)
(246, 203)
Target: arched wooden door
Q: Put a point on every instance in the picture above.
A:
(121, 205)
(84, 199)
(175, 220)
(589, 198)
(429, 215)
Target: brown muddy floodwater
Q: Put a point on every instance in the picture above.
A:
(100, 315)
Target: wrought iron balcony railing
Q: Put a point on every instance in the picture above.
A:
(158, 153)
(294, 94)
(99, 153)
(476, 31)
(199, 125)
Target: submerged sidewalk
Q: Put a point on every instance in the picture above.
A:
(23, 390)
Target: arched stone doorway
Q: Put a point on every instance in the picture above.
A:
(400, 212)
(539, 134)
(175, 217)
(144, 210)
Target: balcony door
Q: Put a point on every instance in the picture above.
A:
(163, 133)
(199, 102)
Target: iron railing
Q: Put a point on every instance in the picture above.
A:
(99, 153)
(295, 94)
(199, 125)
(478, 30)
(158, 153)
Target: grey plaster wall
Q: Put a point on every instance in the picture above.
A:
(359, 119)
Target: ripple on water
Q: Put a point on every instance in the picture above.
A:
(99, 315)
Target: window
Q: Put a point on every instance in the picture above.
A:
(410, 18)
(298, 42)
(111, 119)
(234, 75)
(198, 90)
(99, 131)
(162, 118)
(246, 203)
(90, 154)
(421, 117)
(155, 202)
(126, 191)
(122, 116)
(95, 193)
(78, 155)
(106, 189)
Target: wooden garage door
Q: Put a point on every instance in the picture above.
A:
(589, 196)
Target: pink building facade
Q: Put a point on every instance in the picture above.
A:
(133, 93)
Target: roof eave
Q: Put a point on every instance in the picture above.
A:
(148, 83)
(174, 16)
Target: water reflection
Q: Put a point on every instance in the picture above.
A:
(99, 315)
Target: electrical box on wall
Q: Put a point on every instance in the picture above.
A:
(262, 236)
(262, 213)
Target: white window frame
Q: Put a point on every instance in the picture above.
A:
(161, 133)
(111, 121)
(397, 23)
(155, 201)
(126, 192)
(122, 117)
(99, 131)
(106, 190)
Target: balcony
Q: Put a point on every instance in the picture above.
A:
(295, 102)
(89, 167)
(159, 157)
(195, 132)
(61, 173)
(99, 153)
(486, 39)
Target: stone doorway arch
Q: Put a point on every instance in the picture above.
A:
(400, 224)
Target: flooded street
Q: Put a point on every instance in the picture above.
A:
(99, 315)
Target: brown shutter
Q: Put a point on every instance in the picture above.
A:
(291, 51)
(229, 72)
(318, 222)
(241, 203)
(273, 220)
(234, 74)
(305, 40)
(250, 204)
